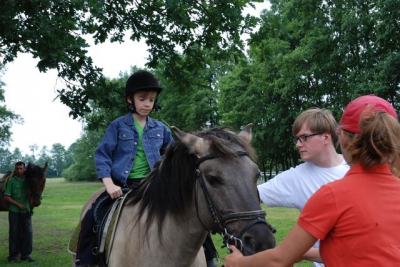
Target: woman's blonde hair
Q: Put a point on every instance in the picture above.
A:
(378, 142)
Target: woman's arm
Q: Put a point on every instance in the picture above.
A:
(312, 255)
(290, 251)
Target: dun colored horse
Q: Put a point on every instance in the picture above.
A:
(206, 182)
(36, 178)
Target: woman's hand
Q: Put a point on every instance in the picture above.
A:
(232, 260)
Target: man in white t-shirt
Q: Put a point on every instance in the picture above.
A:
(314, 134)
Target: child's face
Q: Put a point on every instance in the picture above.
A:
(144, 102)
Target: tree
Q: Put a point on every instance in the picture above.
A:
(17, 156)
(58, 158)
(83, 167)
(7, 117)
(5, 160)
(54, 32)
(193, 109)
(33, 149)
(310, 54)
(43, 157)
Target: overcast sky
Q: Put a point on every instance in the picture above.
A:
(32, 94)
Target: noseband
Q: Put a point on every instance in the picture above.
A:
(255, 217)
(37, 194)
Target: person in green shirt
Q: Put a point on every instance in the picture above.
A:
(19, 215)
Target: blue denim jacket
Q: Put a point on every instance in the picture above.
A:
(116, 153)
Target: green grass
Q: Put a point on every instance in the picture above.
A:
(55, 220)
(53, 223)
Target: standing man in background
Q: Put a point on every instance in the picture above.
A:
(19, 215)
(315, 136)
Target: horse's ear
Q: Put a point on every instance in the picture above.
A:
(246, 132)
(46, 165)
(195, 144)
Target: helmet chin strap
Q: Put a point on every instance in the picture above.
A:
(132, 108)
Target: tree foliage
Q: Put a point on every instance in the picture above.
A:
(7, 117)
(58, 159)
(319, 54)
(305, 53)
(54, 31)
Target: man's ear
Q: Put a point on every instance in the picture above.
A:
(327, 137)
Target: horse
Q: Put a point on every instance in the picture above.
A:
(206, 182)
(35, 175)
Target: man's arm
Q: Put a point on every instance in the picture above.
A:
(12, 201)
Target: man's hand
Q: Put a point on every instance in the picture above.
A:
(12, 201)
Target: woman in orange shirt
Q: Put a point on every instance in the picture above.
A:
(357, 217)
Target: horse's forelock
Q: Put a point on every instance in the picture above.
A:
(33, 170)
(221, 140)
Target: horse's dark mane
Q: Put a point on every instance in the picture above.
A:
(170, 186)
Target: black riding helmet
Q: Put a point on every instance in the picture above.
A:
(141, 81)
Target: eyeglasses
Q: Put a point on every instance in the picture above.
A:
(303, 138)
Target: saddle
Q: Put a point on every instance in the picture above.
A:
(106, 225)
(106, 214)
(3, 185)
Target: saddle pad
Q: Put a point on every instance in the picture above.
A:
(4, 180)
(113, 225)
(73, 242)
(3, 184)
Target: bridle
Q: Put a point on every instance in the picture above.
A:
(255, 217)
(37, 194)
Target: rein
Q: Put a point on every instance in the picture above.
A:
(257, 216)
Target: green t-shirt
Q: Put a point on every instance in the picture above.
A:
(18, 190)
(140, 168)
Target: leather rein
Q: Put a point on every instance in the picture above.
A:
(255, 217)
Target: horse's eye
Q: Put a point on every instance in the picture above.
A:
(212, 180)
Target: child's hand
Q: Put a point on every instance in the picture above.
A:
(113, 190)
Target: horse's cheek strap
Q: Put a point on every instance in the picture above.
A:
(215, 213)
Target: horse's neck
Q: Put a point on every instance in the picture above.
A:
(181, 241)
(182, 233)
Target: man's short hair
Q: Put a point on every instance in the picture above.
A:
(319, 121)
(19, 163)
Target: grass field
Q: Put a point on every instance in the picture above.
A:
(55, 220)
